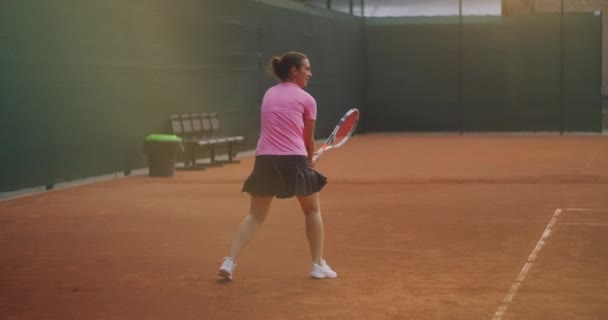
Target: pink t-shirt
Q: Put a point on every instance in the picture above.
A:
(284, 109)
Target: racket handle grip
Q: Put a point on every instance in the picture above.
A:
(316, 155)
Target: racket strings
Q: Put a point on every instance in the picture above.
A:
(347, 126)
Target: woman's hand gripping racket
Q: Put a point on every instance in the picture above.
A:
(341, 133)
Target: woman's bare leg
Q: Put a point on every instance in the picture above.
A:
(258, 210)
(314, 225)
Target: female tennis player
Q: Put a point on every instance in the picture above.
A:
(284, 161)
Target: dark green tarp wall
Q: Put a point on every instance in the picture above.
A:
(83, 82)
(510, 69)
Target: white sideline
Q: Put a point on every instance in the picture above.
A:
(591, 160)
(582, 209)
(524, 270)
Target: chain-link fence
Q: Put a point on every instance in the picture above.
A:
(401, 8)
(433, 8)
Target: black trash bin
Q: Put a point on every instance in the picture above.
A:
(162, 151)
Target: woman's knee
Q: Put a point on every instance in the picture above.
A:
(259, 208)
(312, 211)
(310, 204)
(257, 217)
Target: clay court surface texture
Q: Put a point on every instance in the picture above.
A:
(417, 226)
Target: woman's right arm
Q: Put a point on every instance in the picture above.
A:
(309, 139)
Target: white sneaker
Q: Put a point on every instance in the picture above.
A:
(322, 271)
(227, 269)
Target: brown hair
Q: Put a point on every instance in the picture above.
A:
(281, 66)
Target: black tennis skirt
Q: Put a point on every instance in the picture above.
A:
(283, 177)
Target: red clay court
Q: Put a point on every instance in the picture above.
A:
(417, 226)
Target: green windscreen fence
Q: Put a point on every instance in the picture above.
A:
(484, 73)
(412, 66)
(84, 82)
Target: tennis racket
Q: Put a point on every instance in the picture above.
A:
(341, 133)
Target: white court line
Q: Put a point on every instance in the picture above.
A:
(590, 161)
(582, 209)
(524, 270)
(590, 224)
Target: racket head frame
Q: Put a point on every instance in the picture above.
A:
(328, 144)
